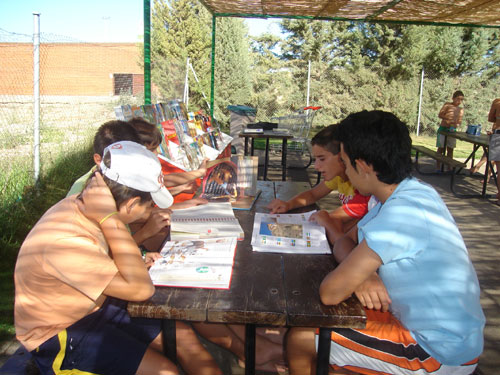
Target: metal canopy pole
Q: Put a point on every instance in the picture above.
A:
(147, 51)
(420, 100)
(212, 77)
(36, 95)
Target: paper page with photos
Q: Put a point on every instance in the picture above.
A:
(206, 263)
(289, 233)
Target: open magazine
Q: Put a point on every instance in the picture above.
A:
(204, 263)
(289, 233)
(232, 180)
(205, 221)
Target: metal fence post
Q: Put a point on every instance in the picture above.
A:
(36, 95)
(420, 100)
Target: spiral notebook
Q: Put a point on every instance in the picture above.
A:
(205, 221)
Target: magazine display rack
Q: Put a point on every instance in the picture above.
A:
(188, 138)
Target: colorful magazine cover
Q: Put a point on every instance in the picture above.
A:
(127, 112)
(232, 180)
(137, 111)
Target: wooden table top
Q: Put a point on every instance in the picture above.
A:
(267, 134)
(482, 140)
(266, 288)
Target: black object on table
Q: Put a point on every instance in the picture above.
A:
(269, 134)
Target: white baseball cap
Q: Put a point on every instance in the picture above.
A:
(134, 166)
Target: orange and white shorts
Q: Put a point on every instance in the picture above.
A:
(386, 347)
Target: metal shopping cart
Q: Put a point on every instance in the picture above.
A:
(299, 125)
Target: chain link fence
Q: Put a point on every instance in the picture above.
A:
(80, 83)
(78, 95)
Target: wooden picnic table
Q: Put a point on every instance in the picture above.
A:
(267, 289)
(478, 141)
(269, 134)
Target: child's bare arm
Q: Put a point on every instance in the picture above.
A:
(132, 282)
(458, 119)
(180, 178)
(443, 111)
(300, 200)
(350, 274)
(159, 219)
(333, 227)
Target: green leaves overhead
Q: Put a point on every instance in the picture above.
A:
(354, 65)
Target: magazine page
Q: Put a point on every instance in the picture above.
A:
(206, 263)
(232, 180)
(289, 233)
(205, 221)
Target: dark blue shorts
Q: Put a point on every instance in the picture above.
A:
(105, 342)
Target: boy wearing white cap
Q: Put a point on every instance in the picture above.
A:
(79, 266)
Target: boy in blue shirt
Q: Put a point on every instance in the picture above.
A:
(405, 261)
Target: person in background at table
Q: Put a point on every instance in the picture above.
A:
(451, 115)
(176, 182)
(326, 152)
(492, 117)
(78, 267)
(494, 149)
(149, 231)
(405, 261)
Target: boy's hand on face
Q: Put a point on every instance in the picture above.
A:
(278, 206)
(159, 219)
(96, 201)
(373, 295)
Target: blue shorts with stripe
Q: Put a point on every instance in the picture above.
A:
(108, 341)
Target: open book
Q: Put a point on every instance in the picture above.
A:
(232, 180)
(204, 263)
(289, 233)
(205, 221)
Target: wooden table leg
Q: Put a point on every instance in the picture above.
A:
(246, 146)
(283, 158)
(169, 339)
(324, 342)
(252, 146)
(486, 178)
(266, 160)
(250, 349)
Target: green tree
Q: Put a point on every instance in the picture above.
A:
(232, 66)
(181, 29)
(274, 88)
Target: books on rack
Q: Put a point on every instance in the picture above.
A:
(206, 263)
(289, 233)
(205, 221)
(188, 137)
(232, 180)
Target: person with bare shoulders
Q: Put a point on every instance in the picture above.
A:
(451, 115)
(494, 149)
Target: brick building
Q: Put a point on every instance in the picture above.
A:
(80, 69)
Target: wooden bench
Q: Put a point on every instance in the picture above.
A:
(454, 165)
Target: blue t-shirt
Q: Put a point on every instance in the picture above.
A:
(427, 272)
